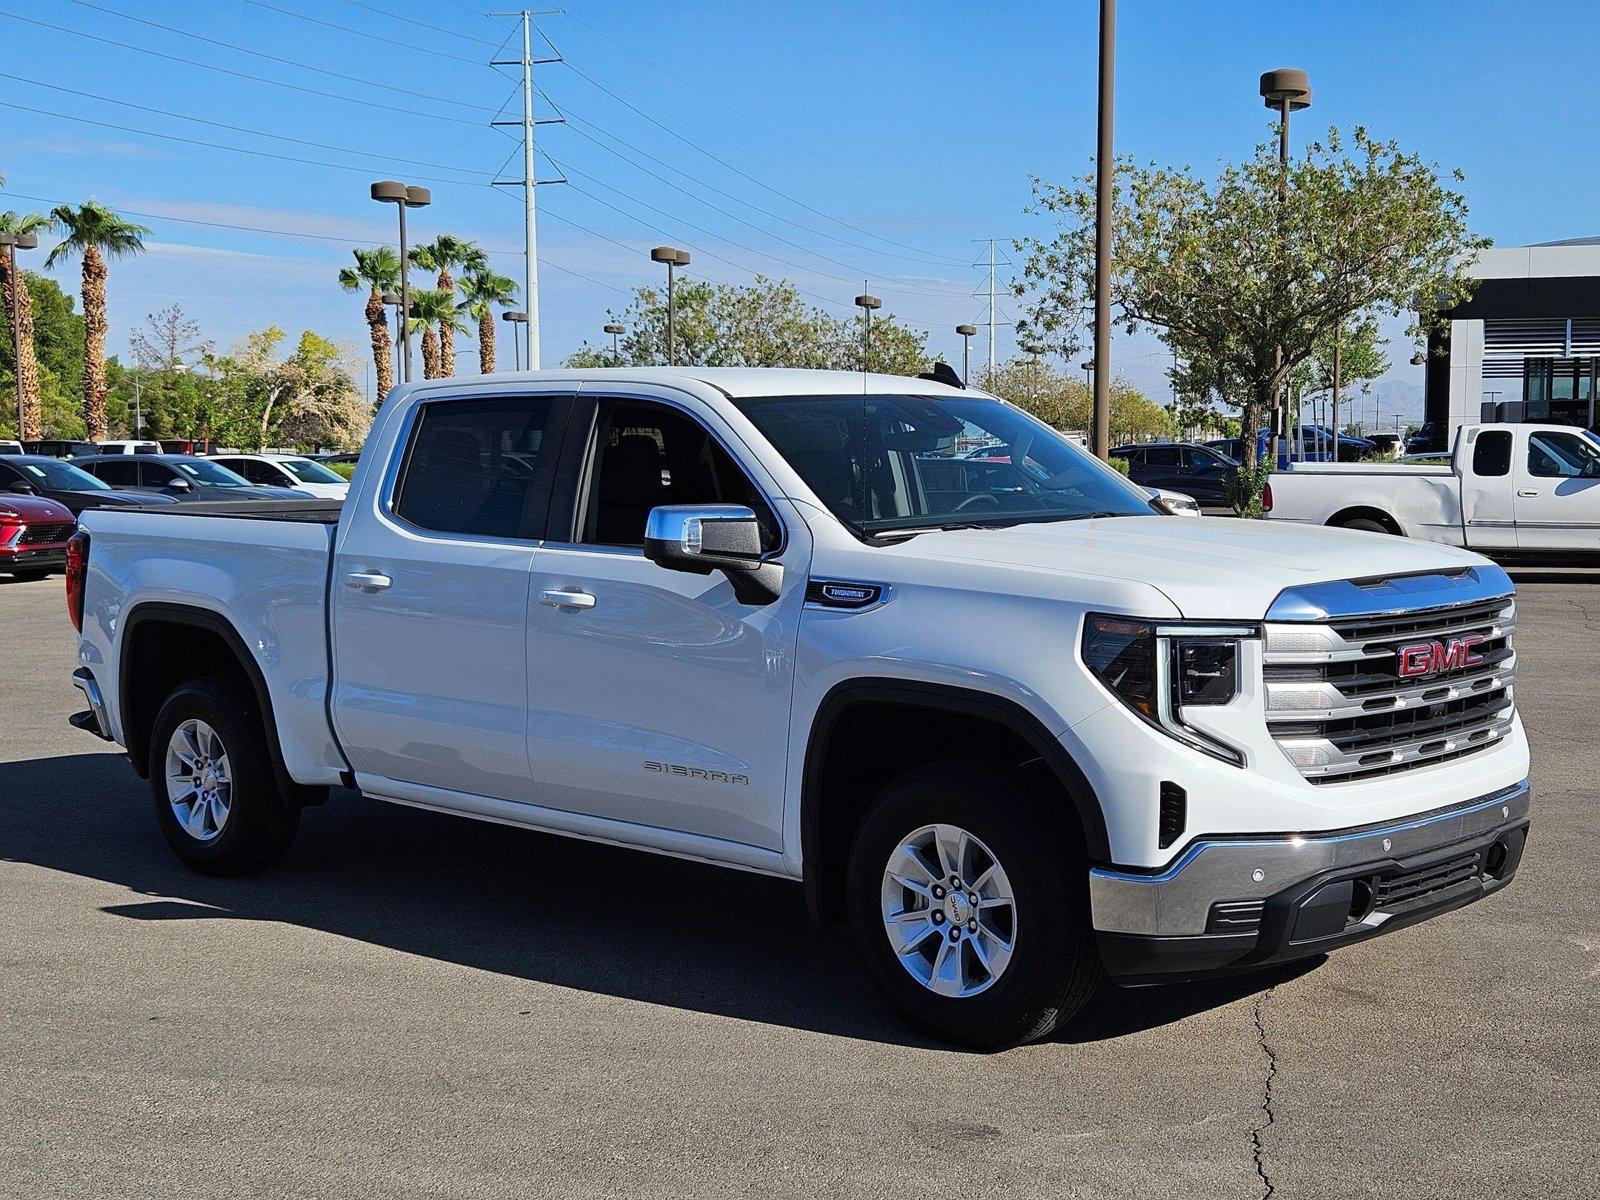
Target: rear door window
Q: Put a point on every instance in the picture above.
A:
(481, 467)
(118, 472)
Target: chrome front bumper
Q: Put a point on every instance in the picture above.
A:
(1263, 899)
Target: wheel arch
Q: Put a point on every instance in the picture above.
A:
(210, 645)
(1370, 513)
(858, 710)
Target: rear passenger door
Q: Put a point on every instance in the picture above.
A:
(119, 472)
(430, 601)
(1488, 489)
(657, 697)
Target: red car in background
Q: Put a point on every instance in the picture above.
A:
(33, 535)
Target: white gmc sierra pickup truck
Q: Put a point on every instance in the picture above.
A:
(886, 636)
(1508, 490)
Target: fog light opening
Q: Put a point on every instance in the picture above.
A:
(1494, 862)
(1363, 899)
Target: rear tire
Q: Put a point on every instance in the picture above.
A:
(1365, 523)
(216, 795)
(961, 981)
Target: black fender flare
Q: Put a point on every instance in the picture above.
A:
(212, 622)
(1000, 710)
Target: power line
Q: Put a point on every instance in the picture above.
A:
(582, 74)
(243, 129)
(288, 62)
(744, 116)
(171, 137)
(361, 33)
(392, 16)
(316, 237)
(190, 62)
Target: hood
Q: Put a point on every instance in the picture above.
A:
(213, 494)
(33, 509)
(116, 499)
(1210, 567)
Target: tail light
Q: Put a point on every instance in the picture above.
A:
(77, 573)
(1266, 497)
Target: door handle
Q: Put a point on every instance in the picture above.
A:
(367, 581)
(1527, 492)
(564, 598)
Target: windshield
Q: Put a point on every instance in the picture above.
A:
(308, 471)
(887, 463)
(61, 476)
(210, 474)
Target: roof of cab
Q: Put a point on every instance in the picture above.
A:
(738, 382)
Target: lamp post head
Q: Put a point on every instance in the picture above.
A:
(26, 241)
(516, 317)
(670, 255)
(388, 191)
(391, 298)
(868, 302)
(966, 330)
(8, 239)
(1286, 83)
(615, 329)
(418, 197)
(1419, 359)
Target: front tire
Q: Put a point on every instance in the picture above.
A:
(216, 796)
(968, 894)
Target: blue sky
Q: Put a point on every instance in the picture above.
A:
(840, 140)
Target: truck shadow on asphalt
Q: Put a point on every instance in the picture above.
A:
(533, 906)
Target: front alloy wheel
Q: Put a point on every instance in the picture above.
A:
(949, 910)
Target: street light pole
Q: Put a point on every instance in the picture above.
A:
(1105, 177)
(515, 318)
(388, 191)
(1286, 90)
(966, 332)
(867, 303)
(674, 258)
(615, 331)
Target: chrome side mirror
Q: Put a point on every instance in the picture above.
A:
(702, 538)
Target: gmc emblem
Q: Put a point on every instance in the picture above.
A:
(1430, 658)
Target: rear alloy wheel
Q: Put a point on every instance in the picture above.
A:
(217, 797)
(199, 779)
(968, 894)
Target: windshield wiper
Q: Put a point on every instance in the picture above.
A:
(1092, 516)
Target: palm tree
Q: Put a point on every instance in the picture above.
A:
(428, 309)
(95, 232)
(19, 320)
(377, 270)
(443, 254)
(481, 290)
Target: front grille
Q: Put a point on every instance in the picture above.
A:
(1421, 883)
(43, 535)
(1340, 710)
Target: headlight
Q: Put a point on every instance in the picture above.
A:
(1161, 669)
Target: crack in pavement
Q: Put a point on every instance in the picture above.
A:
(1583, 609)
(1268, 1111)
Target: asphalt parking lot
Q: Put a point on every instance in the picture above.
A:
(417, 1005)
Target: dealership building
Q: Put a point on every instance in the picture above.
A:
(1526, 346)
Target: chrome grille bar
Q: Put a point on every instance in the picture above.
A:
(1339, 709)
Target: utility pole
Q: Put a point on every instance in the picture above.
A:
(529, 181)
(1105, 170)
(991, 312)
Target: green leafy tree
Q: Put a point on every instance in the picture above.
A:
(95, 233)
(481, 290)
(378, 271)
(1066, 403)
(445, 254)
(764, 324)
(1241, 284)
(256, 396)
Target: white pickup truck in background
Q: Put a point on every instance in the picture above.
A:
(891, 638)
(1508, 490)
